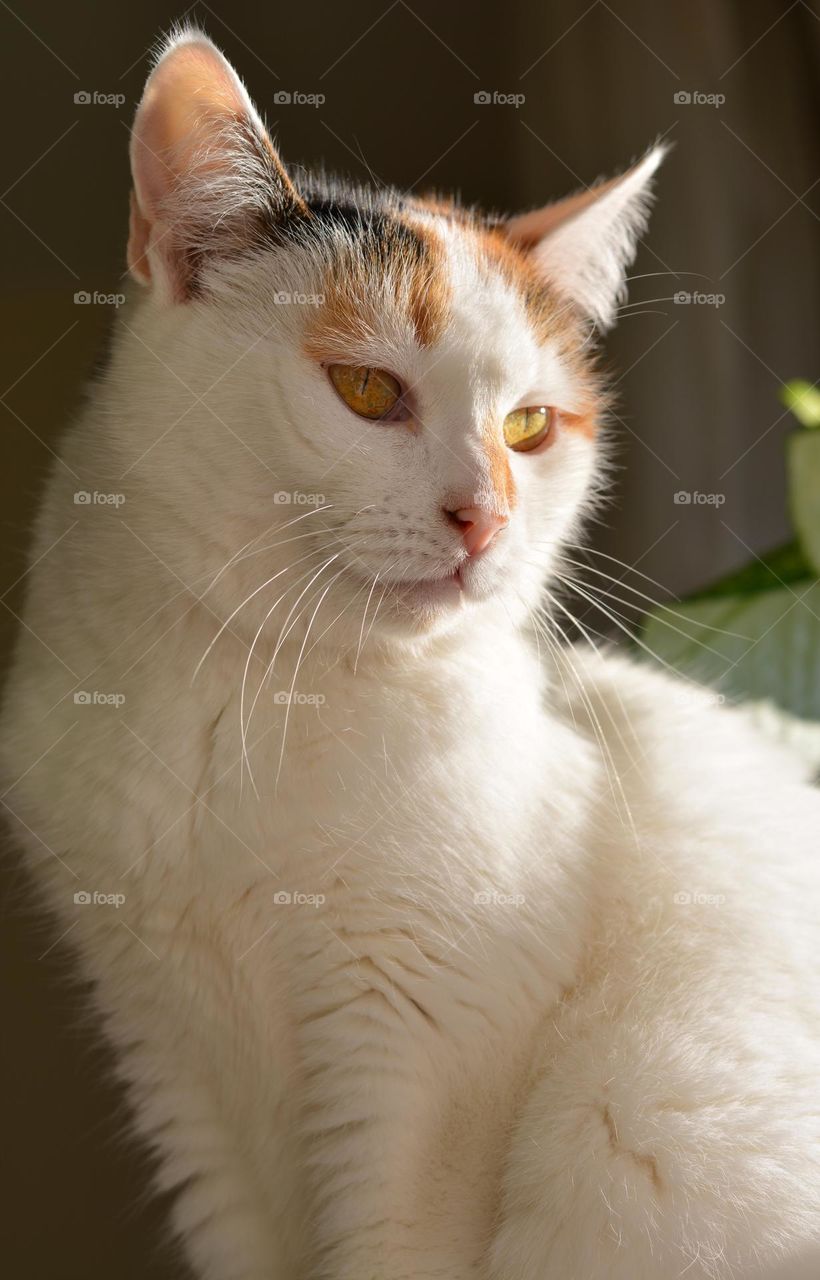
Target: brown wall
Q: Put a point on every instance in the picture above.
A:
(738, 207)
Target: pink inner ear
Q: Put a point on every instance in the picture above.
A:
(182, 130)
(527, 229)
(191, 94)
(138, 229)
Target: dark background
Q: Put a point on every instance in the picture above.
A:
(739, 205)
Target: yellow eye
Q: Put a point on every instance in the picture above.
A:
(371, 393)
(524, 429)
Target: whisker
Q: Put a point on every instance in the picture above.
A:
(284, 632)
(594, 646)
(235, 558)
(247, 600)
(276, 603)
(296, 671)
(679, 675)
(595, 600)
(364, 619)
(613, 776)
(734, 635)
(628, 568)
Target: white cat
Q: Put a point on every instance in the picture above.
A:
(434, 956)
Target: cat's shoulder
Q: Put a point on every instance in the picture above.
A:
(633, 705)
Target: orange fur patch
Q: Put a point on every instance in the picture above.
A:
(403, 257)
(585, 424)
(548, 314)
(429, 287)
(501, 476)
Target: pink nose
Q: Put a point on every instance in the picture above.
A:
(478, 527)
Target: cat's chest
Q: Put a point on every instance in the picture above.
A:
(318, 791)
(400, 845)
(425, 860)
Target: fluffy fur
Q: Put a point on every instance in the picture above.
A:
(439, 958)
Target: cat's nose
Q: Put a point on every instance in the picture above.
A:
(478, 527)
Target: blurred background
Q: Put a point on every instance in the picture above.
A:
(510, 105)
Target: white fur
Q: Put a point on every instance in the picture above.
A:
(496, 1045)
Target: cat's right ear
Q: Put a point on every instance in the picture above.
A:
(206, 178)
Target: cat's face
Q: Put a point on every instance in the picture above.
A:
(420, 406)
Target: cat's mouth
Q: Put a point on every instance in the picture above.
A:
(426, 601)
(431, 593)
(437, 596)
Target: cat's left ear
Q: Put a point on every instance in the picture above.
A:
(584, 244)
(207, 181)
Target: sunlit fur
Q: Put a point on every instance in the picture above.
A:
(406, 984)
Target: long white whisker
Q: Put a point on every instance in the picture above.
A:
(593, 645)
(238, 555)
(654, 603)
(613, 776)
(679, 675)
(345, 608)
(244, 724)
(247, 600)
(284, 542)
(596, 601)
(627, 568)
(296, 672)
(364, 619)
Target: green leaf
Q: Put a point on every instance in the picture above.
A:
(803, 459)
(804, 401)
(773, 650)
(766, 573)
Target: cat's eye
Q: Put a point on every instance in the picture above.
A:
(525, 429)
(372, 393)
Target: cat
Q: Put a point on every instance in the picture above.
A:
(430, 946)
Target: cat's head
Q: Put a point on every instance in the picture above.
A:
(397, 389)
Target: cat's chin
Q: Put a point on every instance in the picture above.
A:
(431, 606)
(413, 608)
